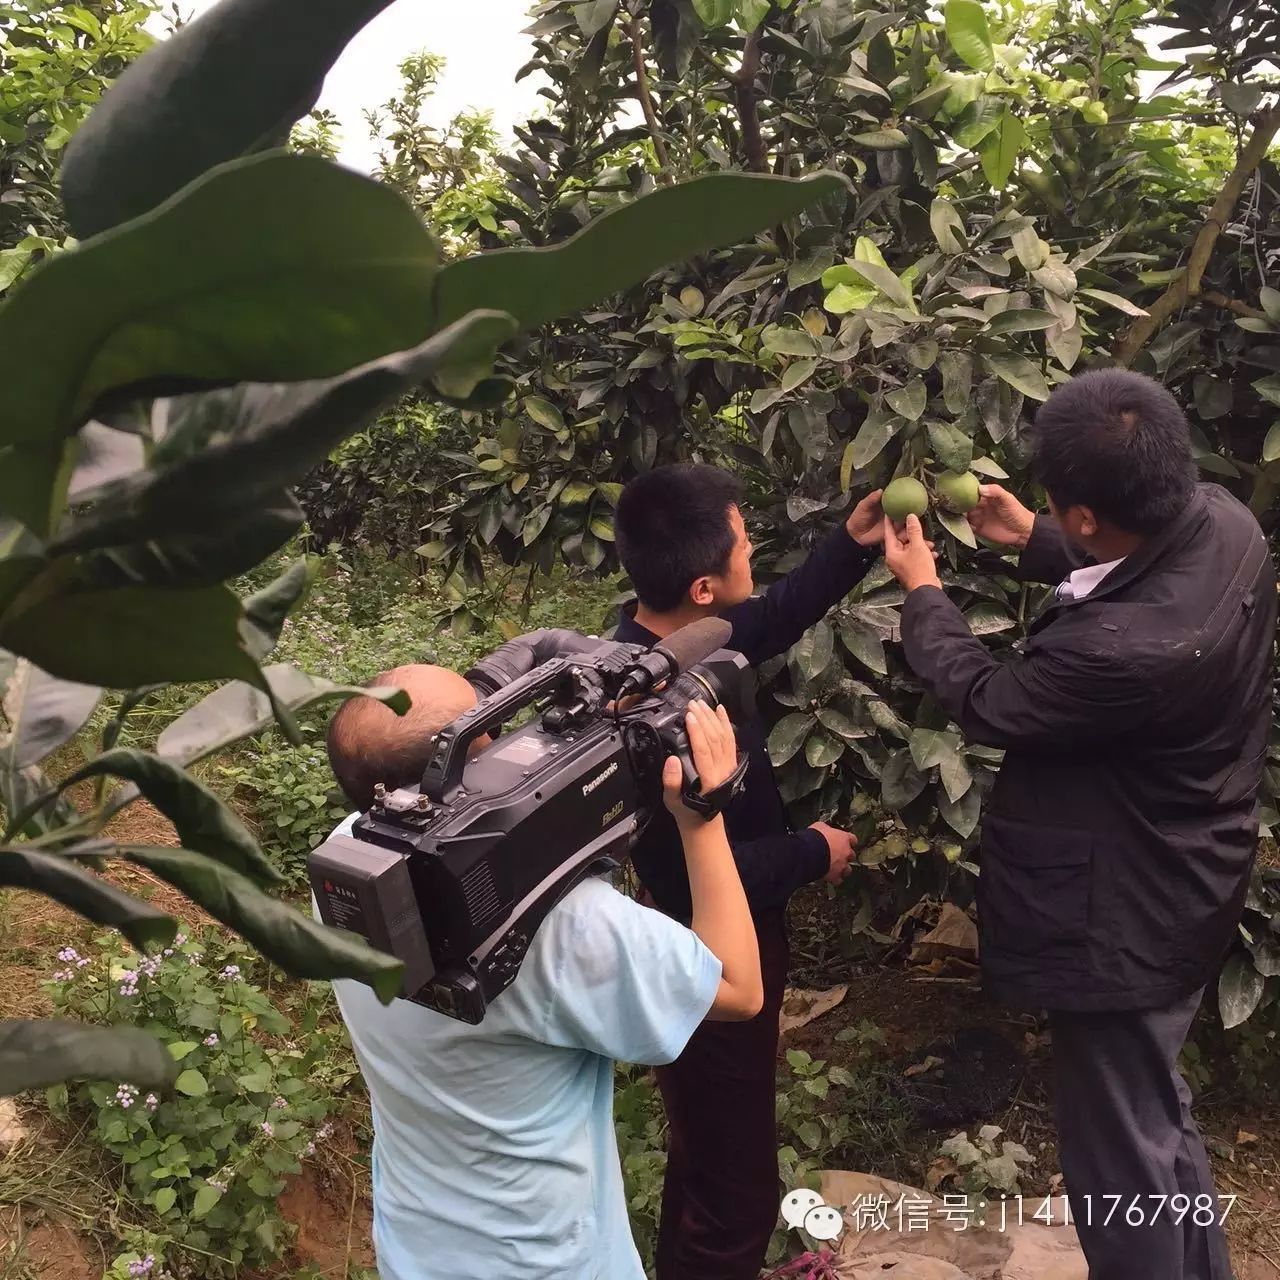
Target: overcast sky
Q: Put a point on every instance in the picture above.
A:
(481, 39)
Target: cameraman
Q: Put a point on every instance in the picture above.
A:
(681, 538)
(494, 1151)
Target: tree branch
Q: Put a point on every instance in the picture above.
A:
(646, 100)
(1187, 285)
(744, 84)
(1232, 304)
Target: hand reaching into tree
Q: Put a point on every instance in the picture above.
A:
(1000, 518)
(866, 521)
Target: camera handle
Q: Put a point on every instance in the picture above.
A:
(712, 803)
(442, 778)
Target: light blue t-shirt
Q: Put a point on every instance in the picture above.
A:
(494, 1152)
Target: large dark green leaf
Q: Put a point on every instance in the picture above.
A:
(283, 934)
(21, 557)
(265, 611)
(42, 713)
(56, 876)
(676, 30)
(133, 636)
(39, 1052)
(238, 710)
(201, 558)
(962, 815)
(788, 736)
(900, 781)
(203, 822)
(930, 747)
(222, 86)
(1240, 989)
(623, 247)
(303, 270)
(968, 33)
(277, 435)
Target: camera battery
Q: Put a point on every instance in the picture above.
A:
(366, 890)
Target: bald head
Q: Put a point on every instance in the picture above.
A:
(369, 743)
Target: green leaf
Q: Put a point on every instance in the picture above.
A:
(21, 558)
(1240, 989)
(203, 822)
(543, 412)
(206, 1198)
(822, 750)
(46, 1051)
(237, 711)
(1271, 445)
(951, 446)
(783, 341)
(279, 434)
(864, 643)
(58, 877)
(957, 379)
(265, 611)
(231, 82)
(165, 1199)
(813, 652)
(846, 468)
(844, 298)
(305, 269)
(1270, 300)
(885, 281)
(877, 429)
(191, 1083)
(625, 246)
(285, 936)
(788, 735)
(910, 400)
(1113, 300)
(1028, 320)
(957, 525)
(1000, 149)
(1269, 388)
(900, 781)
(889, 139)
(594, 15)
(987, 618)
(969, 35)
(1057, 278)
(835, 720)
(962, 815)
(947, 227)
(179, 1049)
(42, 714)
(956, 778)
(1019, 373)
(930, 747)
(133, 636)
(714, 13)
(798, 373)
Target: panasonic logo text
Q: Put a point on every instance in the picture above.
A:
(589, 787)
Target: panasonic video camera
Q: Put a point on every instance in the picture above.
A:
(454, 876)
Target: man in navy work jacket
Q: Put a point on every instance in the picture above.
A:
(1118, 840)
(682, 540)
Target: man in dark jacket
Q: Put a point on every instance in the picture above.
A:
(682, 540)
(1118, 840)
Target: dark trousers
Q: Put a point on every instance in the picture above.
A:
(720, 1200)
(1125, 1129)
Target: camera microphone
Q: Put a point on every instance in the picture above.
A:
(678, 652)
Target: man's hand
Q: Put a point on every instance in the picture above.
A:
(715, 756)
(909, 555)
(1000, 518)
(840, 847)
(865, 524)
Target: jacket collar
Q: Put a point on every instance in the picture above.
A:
(1140, 562)
(628, 630)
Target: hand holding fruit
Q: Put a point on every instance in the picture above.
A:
(1000, 518)
(908, 554)
(866, 521)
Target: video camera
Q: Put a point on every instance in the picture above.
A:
(454, 876)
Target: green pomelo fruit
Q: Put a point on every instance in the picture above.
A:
(904, 497)
(958, 490)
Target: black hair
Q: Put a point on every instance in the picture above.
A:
(1118, 443)
(673, 527)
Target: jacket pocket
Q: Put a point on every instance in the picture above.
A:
(1034, 891)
